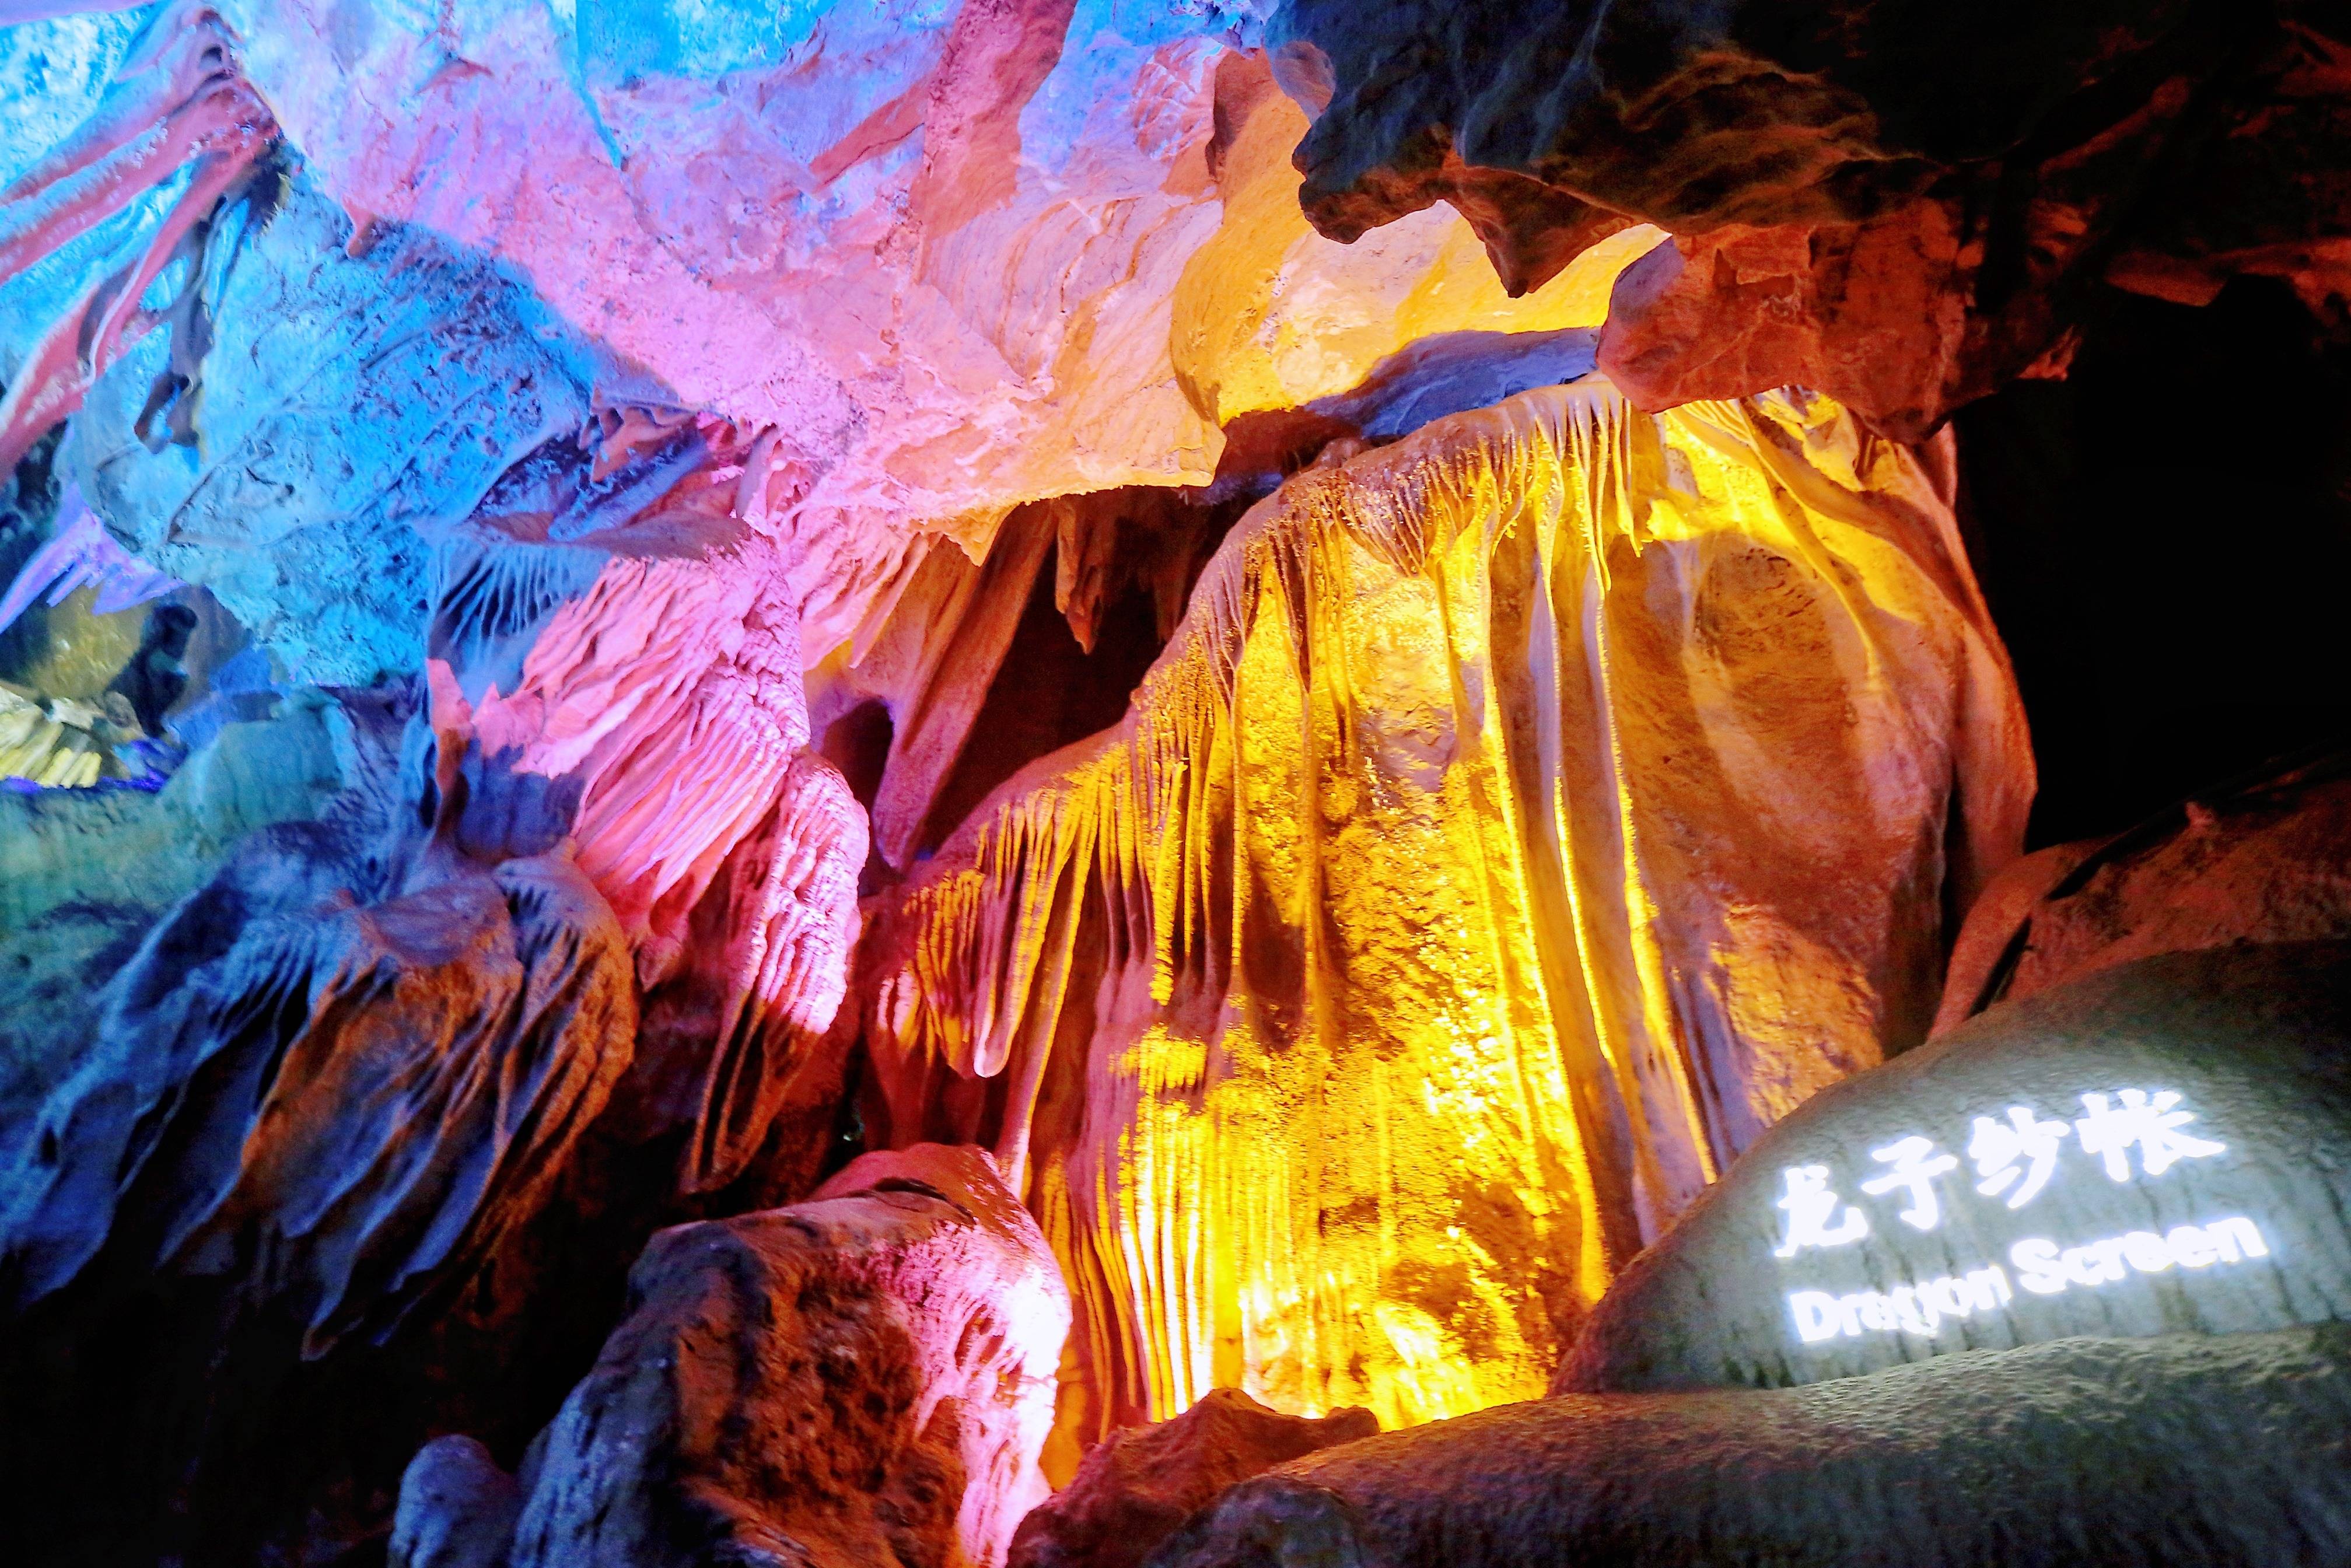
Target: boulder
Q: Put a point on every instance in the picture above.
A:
(456, 1509)
(2261, 859)
(1137, 1485)
(2129, 1154)
(2226, 1451)
(864, 1378)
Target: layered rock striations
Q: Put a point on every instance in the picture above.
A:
(1528, 814)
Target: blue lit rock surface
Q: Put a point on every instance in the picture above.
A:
(2253, 1040)
(353, 410)
(2214, 1450)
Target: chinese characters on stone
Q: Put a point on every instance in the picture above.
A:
(2013, 1159)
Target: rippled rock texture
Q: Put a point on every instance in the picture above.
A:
(1528, 814)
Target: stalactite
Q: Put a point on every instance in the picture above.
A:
(177, 105)
(1526, 815)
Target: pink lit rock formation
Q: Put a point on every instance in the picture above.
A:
(1139, 1484)
(177, 103)
(1528, 814)
(862, 1378)
(942, 262)
(621, 626)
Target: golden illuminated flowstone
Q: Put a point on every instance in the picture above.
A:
(1526, 815)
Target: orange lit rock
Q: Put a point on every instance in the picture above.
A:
(1138, 1484)
(1527, 815)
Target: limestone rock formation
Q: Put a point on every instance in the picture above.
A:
(676, 498)
(1529, 813)
(1138, 1485)
(1900, 204)
(2223, 1451)
(326, 1087)
(2126, 1154)
(862, 1378)
(457, 1510)
(2266, 859)
(85, 873)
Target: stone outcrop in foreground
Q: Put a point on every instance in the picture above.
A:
(2126, 1155)
(864, 1378)
(2227, 1451)
(1141, 1483)
(330, 1088)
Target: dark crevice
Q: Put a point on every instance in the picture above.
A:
(2163, 538)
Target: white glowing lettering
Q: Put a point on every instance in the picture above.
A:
(2016, 1157)
(2042, 1268)
(2148, 1122)
(2037, 1268)
(1811, 1207)
(1998, 1148)
(1916, 1166)
(1921, 1310)
(2045, 1269)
